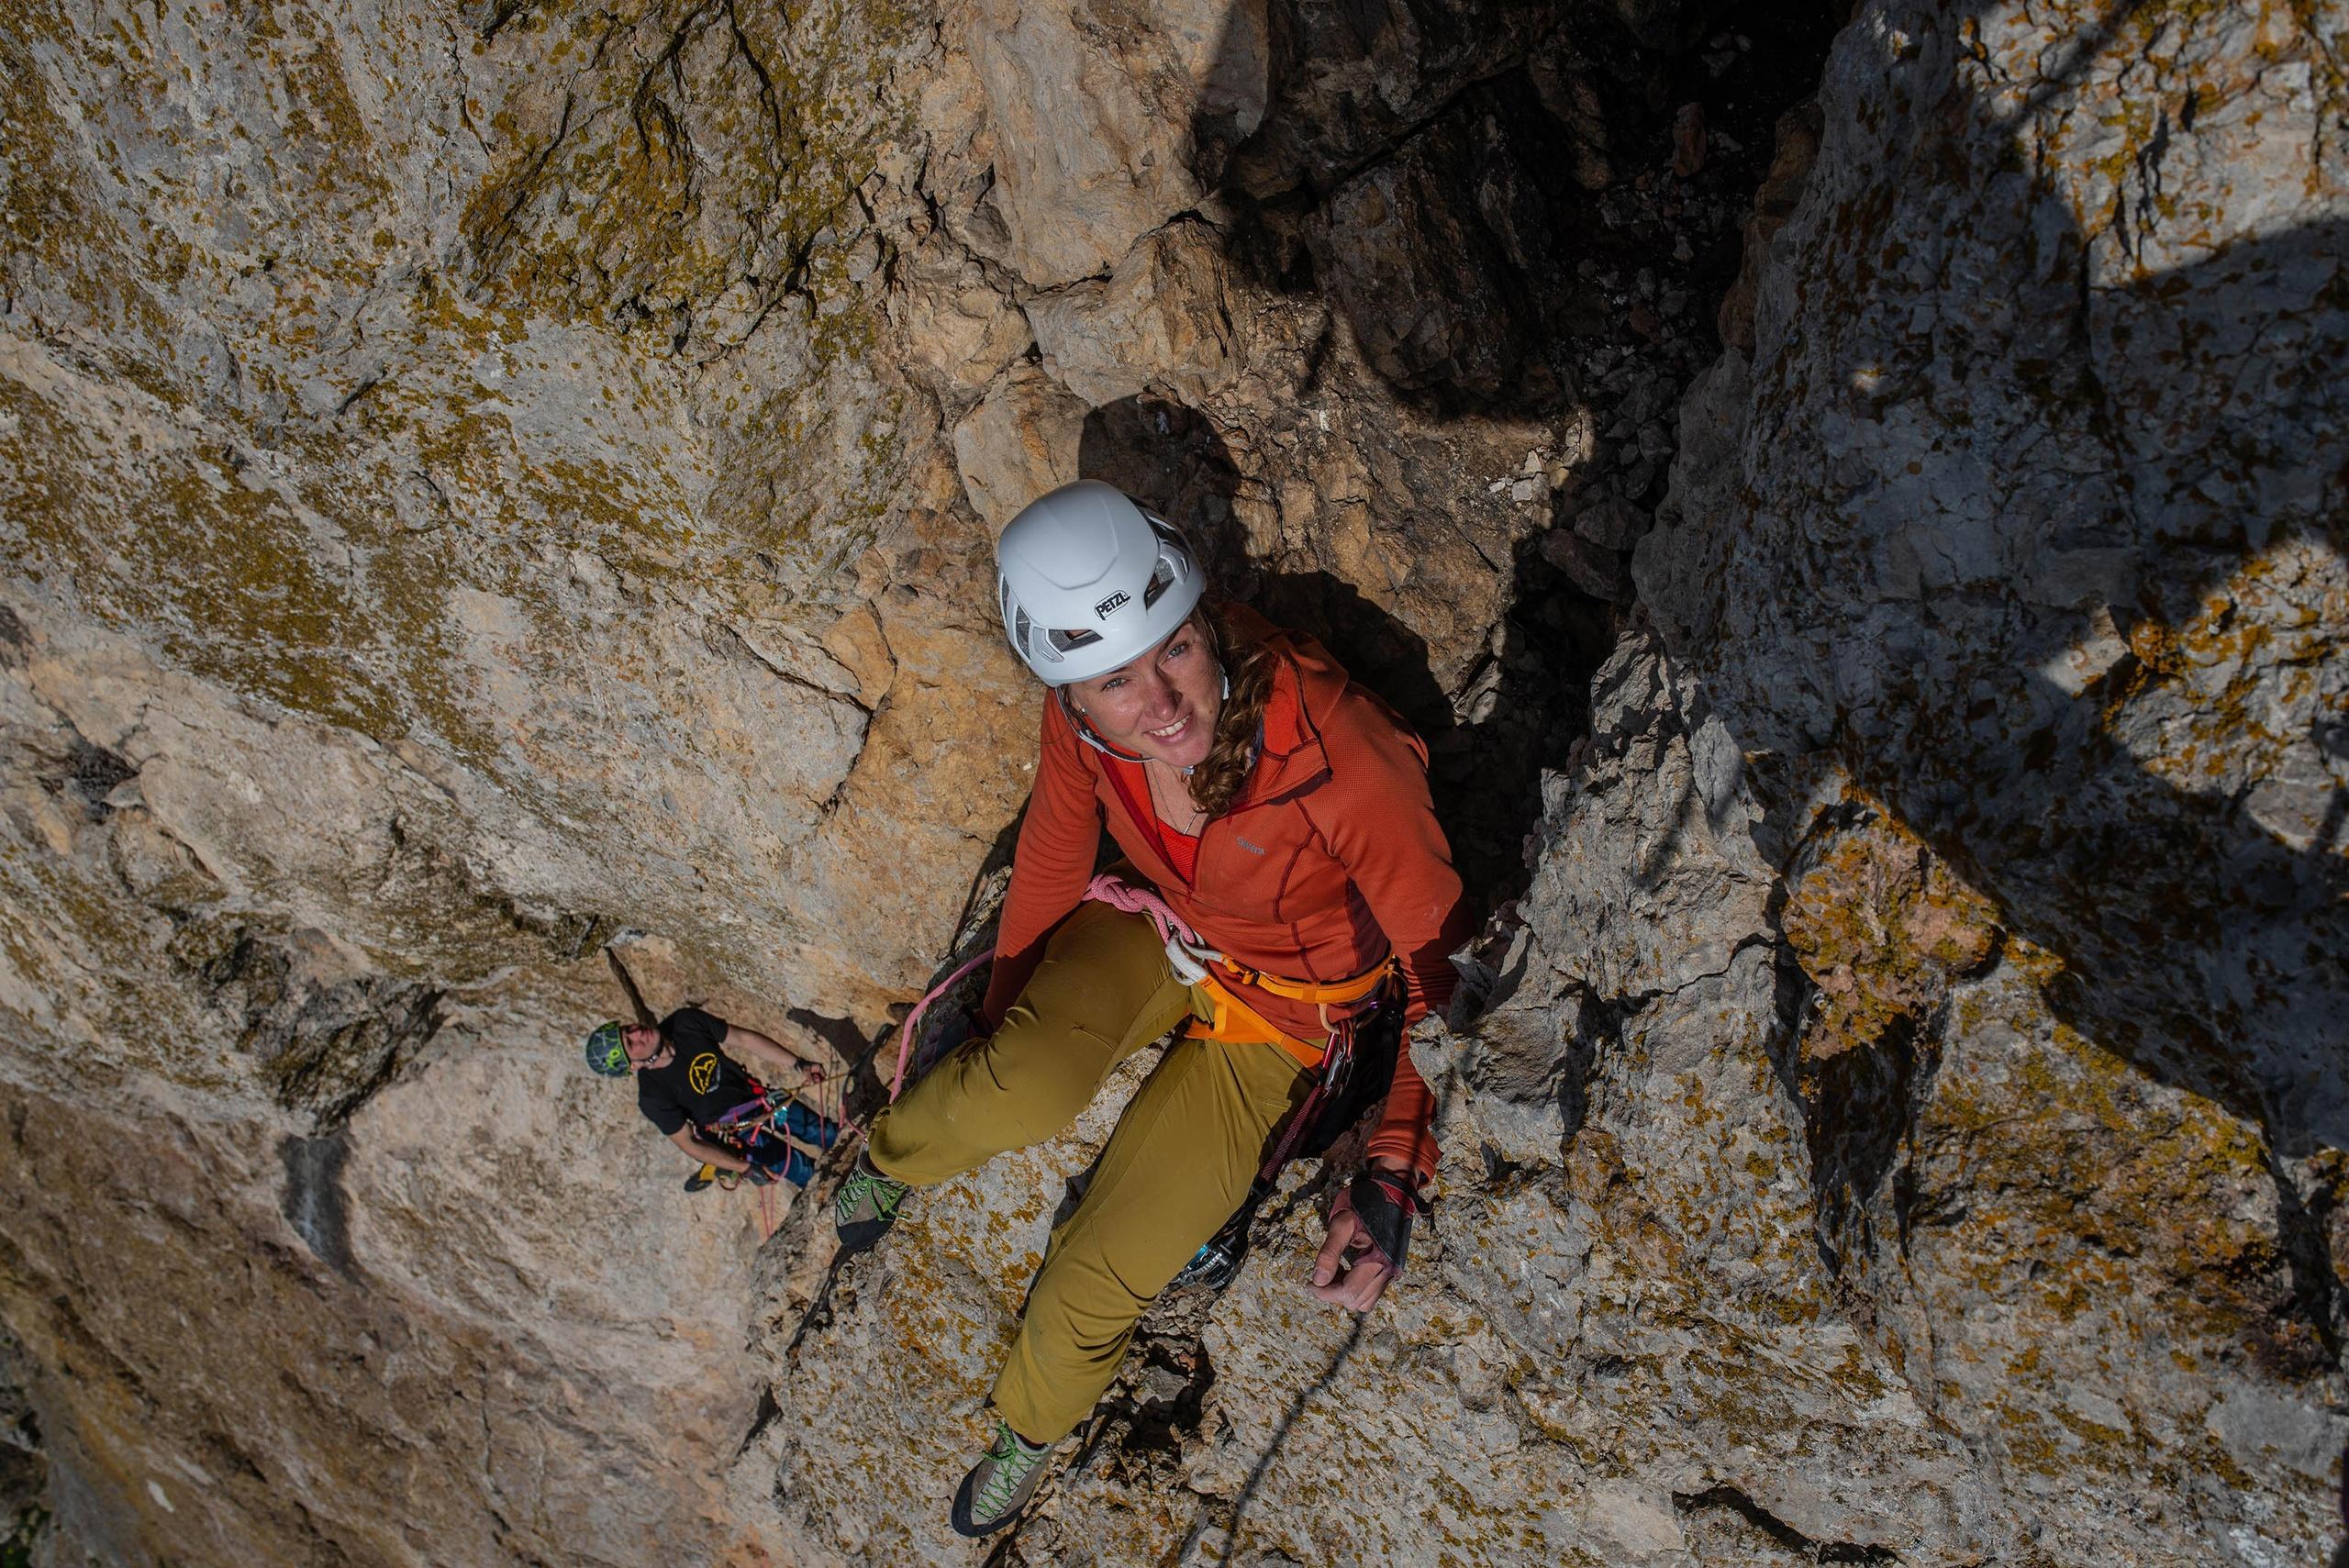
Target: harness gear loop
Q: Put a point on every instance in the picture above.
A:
(1232, 1021)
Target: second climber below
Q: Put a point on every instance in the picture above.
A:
(1282, 812)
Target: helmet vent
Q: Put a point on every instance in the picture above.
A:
(1023, 634)
(1167, 570)
(1160, 581)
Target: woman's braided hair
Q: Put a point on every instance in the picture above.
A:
(1215, 781)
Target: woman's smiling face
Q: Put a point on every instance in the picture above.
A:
(1163, 705)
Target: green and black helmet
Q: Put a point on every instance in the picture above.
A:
(607, 1051)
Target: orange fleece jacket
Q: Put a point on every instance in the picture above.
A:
(1330, 855)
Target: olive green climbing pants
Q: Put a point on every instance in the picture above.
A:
(1177, 1165)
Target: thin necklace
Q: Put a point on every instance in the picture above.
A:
(1195, 813)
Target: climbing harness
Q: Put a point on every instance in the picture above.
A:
(753, 1129)
(1193, 963)
(1231, 1019)
(1350, 1070)
(803, 1133)
(1344, 1082)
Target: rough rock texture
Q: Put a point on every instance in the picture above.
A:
(2039, 532)
(1900, 1125)
(1989, 1295)
(485, 481)
(388, 622)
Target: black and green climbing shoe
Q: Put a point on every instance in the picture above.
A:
(865, 1207)
(999, 1486)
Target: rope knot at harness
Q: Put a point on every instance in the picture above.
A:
(1185, 953)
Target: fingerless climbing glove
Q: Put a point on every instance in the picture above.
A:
(1385, 1204)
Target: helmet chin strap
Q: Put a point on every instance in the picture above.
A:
(1085, 729)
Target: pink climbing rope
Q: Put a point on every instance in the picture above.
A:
(1182, 943)
(1107, 889)
(913, 1020)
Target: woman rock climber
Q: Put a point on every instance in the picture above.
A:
(1282, 812)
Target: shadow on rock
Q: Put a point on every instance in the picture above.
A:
(1453, 177)
(2037, 538)
(1520, 713)
(1518, 212)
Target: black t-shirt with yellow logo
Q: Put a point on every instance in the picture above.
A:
(700, 1083)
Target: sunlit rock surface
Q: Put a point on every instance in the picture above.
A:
(485, 482)
(1901, 1129)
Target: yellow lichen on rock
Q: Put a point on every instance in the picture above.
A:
(1883, 927)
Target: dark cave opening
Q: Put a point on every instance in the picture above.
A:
(1537, 216)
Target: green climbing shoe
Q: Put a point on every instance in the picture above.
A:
(999, 1486)
(865, 1207)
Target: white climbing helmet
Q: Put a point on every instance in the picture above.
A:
(1089, 581)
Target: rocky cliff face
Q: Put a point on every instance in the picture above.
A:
(485, 482)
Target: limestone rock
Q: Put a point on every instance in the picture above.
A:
(961, 328)
(1797, 150)
(2088, 676)
(1591, 566)
(389, 1279)
(1357, 83)
(1158, 322)
(2029, 637)
(1881, 927)
(481, 484)
(426, 501)
(1094, 111)
(1020, 441)
(1795, 1205)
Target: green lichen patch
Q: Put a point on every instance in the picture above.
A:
(2247, 672)
(2091, 1190)
(665, 160)
(57, 235)
(225, 576)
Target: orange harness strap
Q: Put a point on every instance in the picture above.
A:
(1236, 1023)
